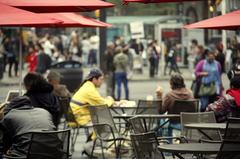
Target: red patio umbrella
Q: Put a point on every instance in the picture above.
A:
(156, 1)
(47, 6)
(229, 21)
(75, 20)
(10, 16)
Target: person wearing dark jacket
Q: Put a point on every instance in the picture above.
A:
(43, 61)
(20, 118)
(41, 94)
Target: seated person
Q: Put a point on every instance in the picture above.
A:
(40, 94)
(20, 118)
(178, 92)
(228, 105)
(59, 90)
(88, 95)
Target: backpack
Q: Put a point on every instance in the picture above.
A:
(235, 71)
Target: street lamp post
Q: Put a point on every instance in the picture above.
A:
(103, 38)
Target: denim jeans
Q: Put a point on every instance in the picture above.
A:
(121, 77)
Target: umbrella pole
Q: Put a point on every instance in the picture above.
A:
(20, 61)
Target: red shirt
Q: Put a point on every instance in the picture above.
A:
(32, 61)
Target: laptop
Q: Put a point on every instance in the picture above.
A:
(11, 95)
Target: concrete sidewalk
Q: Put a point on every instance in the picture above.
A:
(135, 76)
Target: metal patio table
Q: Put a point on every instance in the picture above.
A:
(193, 148)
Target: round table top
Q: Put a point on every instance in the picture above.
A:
(191, 148)
(208, 126)
(148, 116)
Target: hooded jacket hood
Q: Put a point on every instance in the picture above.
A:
(21, 102)
(182, 93)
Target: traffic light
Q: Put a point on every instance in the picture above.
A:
(97, 13)
(212, 4)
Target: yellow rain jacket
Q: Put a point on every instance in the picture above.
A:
(87, 95)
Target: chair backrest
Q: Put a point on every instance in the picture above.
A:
(64, 105)
(67, 110)
(145, 146)
(198, 117)
(137, 125)
(149, 107)
(179, 106)
(230, 148)
(49, 144)
(101, 115)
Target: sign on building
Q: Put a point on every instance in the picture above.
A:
(137, 30)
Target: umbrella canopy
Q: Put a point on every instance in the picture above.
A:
(230, 21)
(75, 20)
(10, 16)
(156, 1)
(47, 6)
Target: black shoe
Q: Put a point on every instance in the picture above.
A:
(84, 152)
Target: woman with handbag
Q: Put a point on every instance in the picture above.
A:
(208, 72)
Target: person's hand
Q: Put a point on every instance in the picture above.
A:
(204, 73)
(109, 98)
(159, 92)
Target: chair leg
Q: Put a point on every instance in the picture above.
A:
(94, 143)
(102, 149)
(86, 132)
(118, 149)
(74, 138)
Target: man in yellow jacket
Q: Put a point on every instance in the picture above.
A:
(88, 95)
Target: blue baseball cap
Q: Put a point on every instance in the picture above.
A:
(95, 72)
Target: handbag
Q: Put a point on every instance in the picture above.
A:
(195, 87)
(207, 89)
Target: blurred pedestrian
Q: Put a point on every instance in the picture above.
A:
(85, 50)
(157, 51)
(11, 51)
(109, 69)
(220, 57)
(172, 58)
(121, 66)
(208, 72)
(32, 58)
(192, 54)
(152, 57)
(43, 61)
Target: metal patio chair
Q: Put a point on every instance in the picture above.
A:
(230, 148)
(105, 129)
(70, 121)
(47, 145)
(145, 146)
(193, 135)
